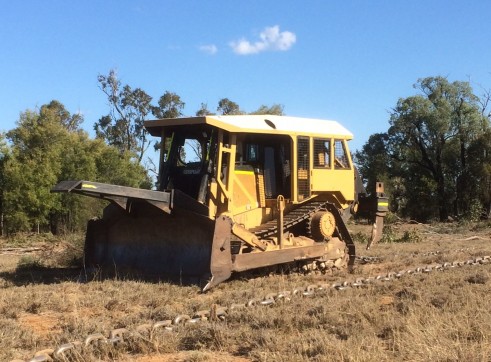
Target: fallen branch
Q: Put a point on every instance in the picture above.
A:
(19, 251)
(475, 237)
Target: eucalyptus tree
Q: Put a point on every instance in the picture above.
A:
(37, 145)
(203, 110)
(169, 105)
(55, 109)
(45, 147)
(430, 135)
(373, 161)
(4, 154)
(228, 107)
(275, 109)
(123, 126)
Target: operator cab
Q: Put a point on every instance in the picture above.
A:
(189, 162)
(186, 156)
(241, 164)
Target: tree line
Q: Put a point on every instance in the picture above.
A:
(435, 158)
(48, 145)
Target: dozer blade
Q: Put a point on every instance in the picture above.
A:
(148, 242)
(155, 233)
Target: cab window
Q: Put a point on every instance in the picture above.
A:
(340, 156)
(322, 153)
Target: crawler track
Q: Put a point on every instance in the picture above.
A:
(303, 214)
(291, 219)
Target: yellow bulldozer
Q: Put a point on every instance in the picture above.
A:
(235, 193)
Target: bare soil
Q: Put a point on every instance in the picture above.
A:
(442, 316)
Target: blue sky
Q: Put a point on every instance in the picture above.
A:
(343, 60)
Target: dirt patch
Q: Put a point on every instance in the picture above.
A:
(386, 300)
(42, 324)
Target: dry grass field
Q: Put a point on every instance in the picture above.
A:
(437, 316)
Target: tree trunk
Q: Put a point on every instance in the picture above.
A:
(442, 200)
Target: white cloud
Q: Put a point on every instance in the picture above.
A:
(209, 49)
(271, 39)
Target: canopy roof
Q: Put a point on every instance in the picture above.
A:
(258, 124)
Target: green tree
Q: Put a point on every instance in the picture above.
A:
(123, 126)
(480, 152)
(71, 122)
(480, 174)
(87, 159)
(430, 136)
(44, 151)
(203, 110)
(275, 109)
(37, 146)
(4, 154)
(228, 107)
(170, 105)
(373, 161)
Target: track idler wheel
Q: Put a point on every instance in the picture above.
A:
(322, 225)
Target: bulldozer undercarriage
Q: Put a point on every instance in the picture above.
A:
(325, 243)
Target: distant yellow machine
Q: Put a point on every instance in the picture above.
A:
(235, 193)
